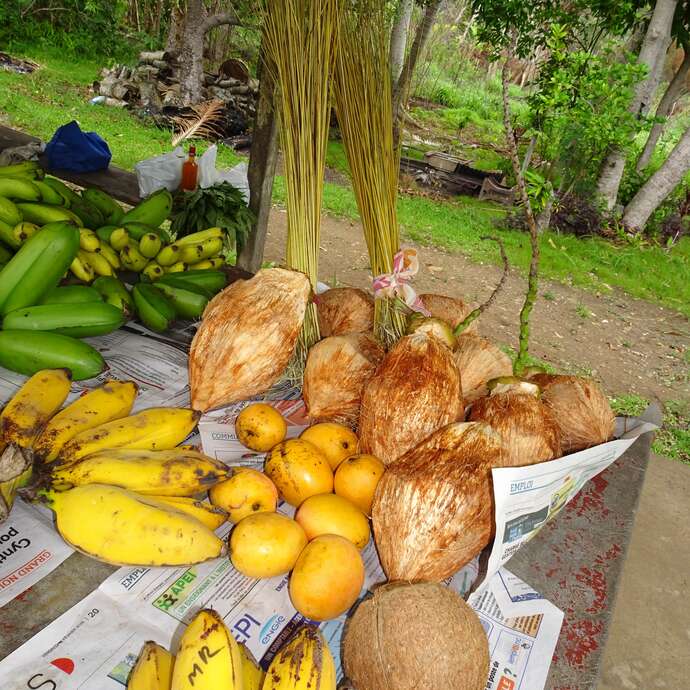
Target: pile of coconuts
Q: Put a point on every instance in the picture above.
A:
(441, 409)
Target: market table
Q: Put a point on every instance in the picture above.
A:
(575, 562)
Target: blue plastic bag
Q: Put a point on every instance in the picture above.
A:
(72, 149)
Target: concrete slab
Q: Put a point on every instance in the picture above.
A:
(648, 645)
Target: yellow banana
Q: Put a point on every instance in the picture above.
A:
(153, 670)
(109, 254)
(82, 270)
(304, 662)
(206, 513)
(148, 472)
(112, 400)
(100, 265)
(153, 271)
(156, 428)
(88, 240)
(208, 657)
(200, 236)
(212, 263)
(33, 405)
(177, 267)
(252, 675)
(124, 528)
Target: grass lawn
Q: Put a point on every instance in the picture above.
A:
(57, 93)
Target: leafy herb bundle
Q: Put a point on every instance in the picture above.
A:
(221, 206)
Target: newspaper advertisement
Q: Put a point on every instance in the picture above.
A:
(30, 549)
(526, 498)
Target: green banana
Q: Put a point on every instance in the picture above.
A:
(82, 321)
(14, 188)
(9, 212)
(119, 239)
(5, 255)
(168, 255)
(88, 240)
(110, 254)
(90, 215)
(101, 266)
(8, 235)
(154, 308)
(200, 236)
(188, 304)
(132, 258)
(153, 210)
(42, 214)
(38, 266)
(177, 280)
(48, 194)
(82, 270)
(212, 281)
(194, 253)
(31, 168)
(152, 271)
(114, 292)
(27, 352)
(105, 231)
(149, 245)
(71, 294)
(111, 210)
(67, 193)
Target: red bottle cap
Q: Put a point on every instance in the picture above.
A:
(192, 150)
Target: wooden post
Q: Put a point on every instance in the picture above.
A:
(262, 165)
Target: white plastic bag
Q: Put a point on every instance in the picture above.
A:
(160, 171)
(209, 175)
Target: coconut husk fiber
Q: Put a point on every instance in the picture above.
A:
(246, 337)
(414, 391)
(415, 637)
(345, 310)
(580, 408)
(433, 507)
(450, 309)
(479, 361)
(528, 427)
(335, 375)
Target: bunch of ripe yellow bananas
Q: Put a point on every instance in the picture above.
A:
(121, 488)
(209, 658)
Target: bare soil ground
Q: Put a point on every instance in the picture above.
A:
(630, 345)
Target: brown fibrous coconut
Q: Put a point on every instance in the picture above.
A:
(433, 507)
(414, 391)
(580, 408)
(479, 361)
(529, 430)
(451, 309)
(345, 310)
(415, 637)
(336, 372)
(246, 337)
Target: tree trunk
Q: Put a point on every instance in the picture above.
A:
(659, 185)
(653, 49)
(262, 165)
(675, 90)
(175, 29)
(401, 92)
(401, 28)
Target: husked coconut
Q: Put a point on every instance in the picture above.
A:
(433, 507)
(414, 391)
(432, 326)
(479, 361)
(335, 375)
(415, 637)
(528, 428)
(451, 309)
(580, 408)
(345, 310)
(246, 337)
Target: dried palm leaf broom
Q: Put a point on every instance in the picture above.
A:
(337, 370)
(362, 94)
(414, 391)
(433, 507)
(247, 336)
(299, 39)
(415, 637)
(345, 310)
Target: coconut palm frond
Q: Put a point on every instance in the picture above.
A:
(203, 123)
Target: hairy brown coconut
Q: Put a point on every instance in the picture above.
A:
(414, 391)
(246, 337)
(335, 375)
(451, 309)
(433, 507)
(345, 310)
(529, 430)
(479, 361)
(415, 637)
(580, 408)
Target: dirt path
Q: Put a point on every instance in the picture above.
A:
(630, 345)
